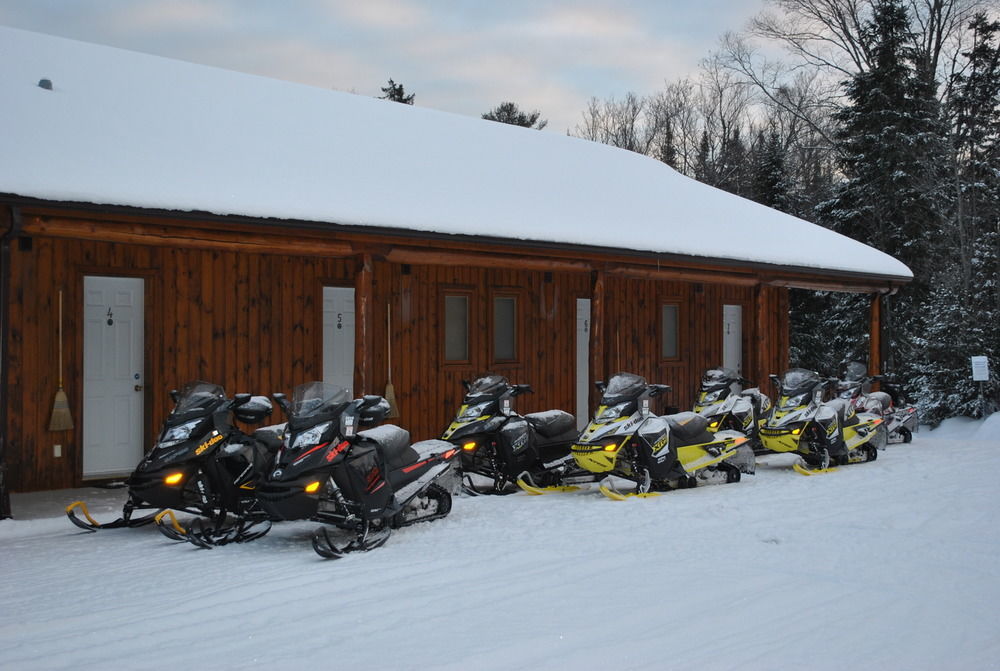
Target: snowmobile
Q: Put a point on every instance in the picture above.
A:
(365, 482)
(501, 445)
(724, 402)
(900, 418)
(657, 453)
(203, 464)
(823, 433)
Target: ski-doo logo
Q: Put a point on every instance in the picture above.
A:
(519, 443)
(209, 443)
(659, 444)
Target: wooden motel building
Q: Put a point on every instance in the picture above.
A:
(187, 223)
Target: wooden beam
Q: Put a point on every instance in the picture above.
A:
(441, 258)
(762, 332)
(820, 284)
(875, 335)
(157, 235)
(671, 274)
(363, 327)
(598, 322)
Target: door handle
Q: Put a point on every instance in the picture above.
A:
(138, 387)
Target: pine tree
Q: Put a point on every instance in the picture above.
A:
(396, 93)
(891, 140)
(510, 113)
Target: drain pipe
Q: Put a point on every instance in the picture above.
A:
(13, 230)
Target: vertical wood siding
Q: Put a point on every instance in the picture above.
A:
(253, 323)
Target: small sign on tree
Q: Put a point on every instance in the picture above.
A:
(980, 369)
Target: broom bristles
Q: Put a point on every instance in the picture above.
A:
(390, 396)
(61, 419)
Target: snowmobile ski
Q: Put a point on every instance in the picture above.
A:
(614, 494)
(539, 491)
(366, 539)
(172, 530)
(90, 524)
(804, 469)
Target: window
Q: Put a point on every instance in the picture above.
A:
(668, 331)
(504, 328)
(456, 328)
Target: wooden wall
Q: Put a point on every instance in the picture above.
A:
(251, 320)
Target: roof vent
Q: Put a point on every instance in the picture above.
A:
(45, 84)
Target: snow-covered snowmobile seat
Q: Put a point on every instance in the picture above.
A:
(841, 406)
(552, 423)
(394, 443)
(688, 428)
(879, 401)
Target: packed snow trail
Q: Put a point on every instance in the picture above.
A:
(886, 565)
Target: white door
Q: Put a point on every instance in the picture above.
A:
(112, 375)
(732, 337)
(582, 362)
(338, 336)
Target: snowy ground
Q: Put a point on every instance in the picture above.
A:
(889, 565)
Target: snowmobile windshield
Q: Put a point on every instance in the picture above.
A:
(488, 385)
(716, 378)
(855, 372)
(313, 398)
(798, 380)
(623, 387)
(198, 398)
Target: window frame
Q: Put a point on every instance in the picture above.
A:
(677, 304)
(467, 294)
(516, 296)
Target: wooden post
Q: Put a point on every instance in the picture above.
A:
(761, 337)
(875, 335)
(363, 331)
(597, 328)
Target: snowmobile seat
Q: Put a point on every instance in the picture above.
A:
(840, 406)
(880, 402)
(688, 428)
(394, 443)
(552, 423)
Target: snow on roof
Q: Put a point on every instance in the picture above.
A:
(128, 129)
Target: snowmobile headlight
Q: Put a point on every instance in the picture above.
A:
(471, 412)
(792, 401)
(610, 413)
(714, 426)
(710, 396)
(178, 434)
(173, 478)
(470, 446)
(610, 447)
(311, 436)
(312, 487)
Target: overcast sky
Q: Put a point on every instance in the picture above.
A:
(462, 56)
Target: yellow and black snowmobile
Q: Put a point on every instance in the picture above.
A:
(727, 401)
(824, 433)
(657, 453)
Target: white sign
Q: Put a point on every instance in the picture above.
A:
(980, 369)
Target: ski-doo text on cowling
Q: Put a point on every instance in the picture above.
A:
(824, 433)
(503, 446)
(657, 453)
(202, 463)
(727, 405)
(366, 482)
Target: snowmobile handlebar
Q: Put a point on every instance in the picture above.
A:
(518, 389)
(657, 389)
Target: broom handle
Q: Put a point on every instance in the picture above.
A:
(388, 337)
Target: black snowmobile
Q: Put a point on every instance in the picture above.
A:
(203, 464)
(727, 401)
(503, 446)
(900, 417)
(366, 482)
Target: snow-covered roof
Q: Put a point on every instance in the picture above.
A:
(128, 129)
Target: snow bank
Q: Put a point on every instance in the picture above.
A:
(886, 565)
(129, 129)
